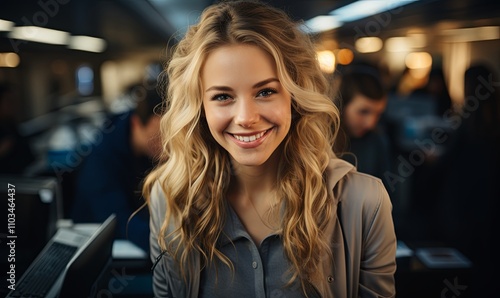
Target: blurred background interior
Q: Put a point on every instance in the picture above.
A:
(67, 65)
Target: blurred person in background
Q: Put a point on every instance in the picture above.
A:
(108, 181)
(467, 212)
(362, 101)
(437, 89)
(15, 151)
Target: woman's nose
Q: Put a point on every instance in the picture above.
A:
(247, 112)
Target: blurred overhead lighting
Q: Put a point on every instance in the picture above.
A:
(351, 12)
(472, 34)
(39, 34)
(345, 56)
(320, 23)
(419, 73)
(87, 43)
(365, 8)
(419, 65)
(418, 60)
(398, 44)
(9, 60)
(417, 40)
(6, 25)
(326, 61)
(368, 44)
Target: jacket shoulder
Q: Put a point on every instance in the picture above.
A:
(363, 190)
(363, 199)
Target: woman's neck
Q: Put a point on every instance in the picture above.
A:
(254, 181)
(252, 195)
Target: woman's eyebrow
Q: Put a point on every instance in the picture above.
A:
(219, 88)
(264, 82)
(257, 85)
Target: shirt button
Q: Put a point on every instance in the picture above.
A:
(254, 265)
(330, 279)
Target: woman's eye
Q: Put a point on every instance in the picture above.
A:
(221, 97)
(266, 92)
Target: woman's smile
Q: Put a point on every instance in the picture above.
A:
(250, 140)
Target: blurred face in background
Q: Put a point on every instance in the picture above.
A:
(146, 137)
(362, 114)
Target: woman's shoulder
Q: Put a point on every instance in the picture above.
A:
(364, 189)
(357, 191)
(364, 205)
(156, 202)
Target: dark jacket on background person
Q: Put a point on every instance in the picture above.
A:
(108, 181)
(370, 154)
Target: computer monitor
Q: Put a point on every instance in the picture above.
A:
(86, 274)
(37, 207)
(73, 264)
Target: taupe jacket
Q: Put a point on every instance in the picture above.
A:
(362, 237)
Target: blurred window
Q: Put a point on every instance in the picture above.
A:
(85, 80)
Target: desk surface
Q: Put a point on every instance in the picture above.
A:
(415, 280)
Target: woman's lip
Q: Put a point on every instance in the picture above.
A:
(247, 134)
(251, 144)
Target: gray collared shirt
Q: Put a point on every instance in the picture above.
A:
(258, 271)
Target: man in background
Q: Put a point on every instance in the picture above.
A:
(109, 179)
(362, 101)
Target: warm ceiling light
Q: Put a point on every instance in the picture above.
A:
(368, 44)
(12, 59)
(472, 34)
(418, 60)
(345, 56)
(419, 73)
(398, 44)
(6, 25)
(326, 61)
(417, 40)
(39, 34)
(9, 60)
(87, 43)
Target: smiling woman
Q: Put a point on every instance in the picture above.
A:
(247, 109)
(251, 201)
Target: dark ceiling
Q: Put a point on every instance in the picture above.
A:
(126, 24)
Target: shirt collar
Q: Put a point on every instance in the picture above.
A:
(233, 228)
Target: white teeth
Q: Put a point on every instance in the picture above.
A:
(249, 138)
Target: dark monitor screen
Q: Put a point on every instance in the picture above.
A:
(86, 275)
(37, 207)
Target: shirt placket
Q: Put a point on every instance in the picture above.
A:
(258, 270)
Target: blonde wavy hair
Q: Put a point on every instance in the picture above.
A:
(196, 171)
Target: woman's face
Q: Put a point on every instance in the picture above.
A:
(247, 109)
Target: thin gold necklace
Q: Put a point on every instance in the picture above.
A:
(268, 212)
